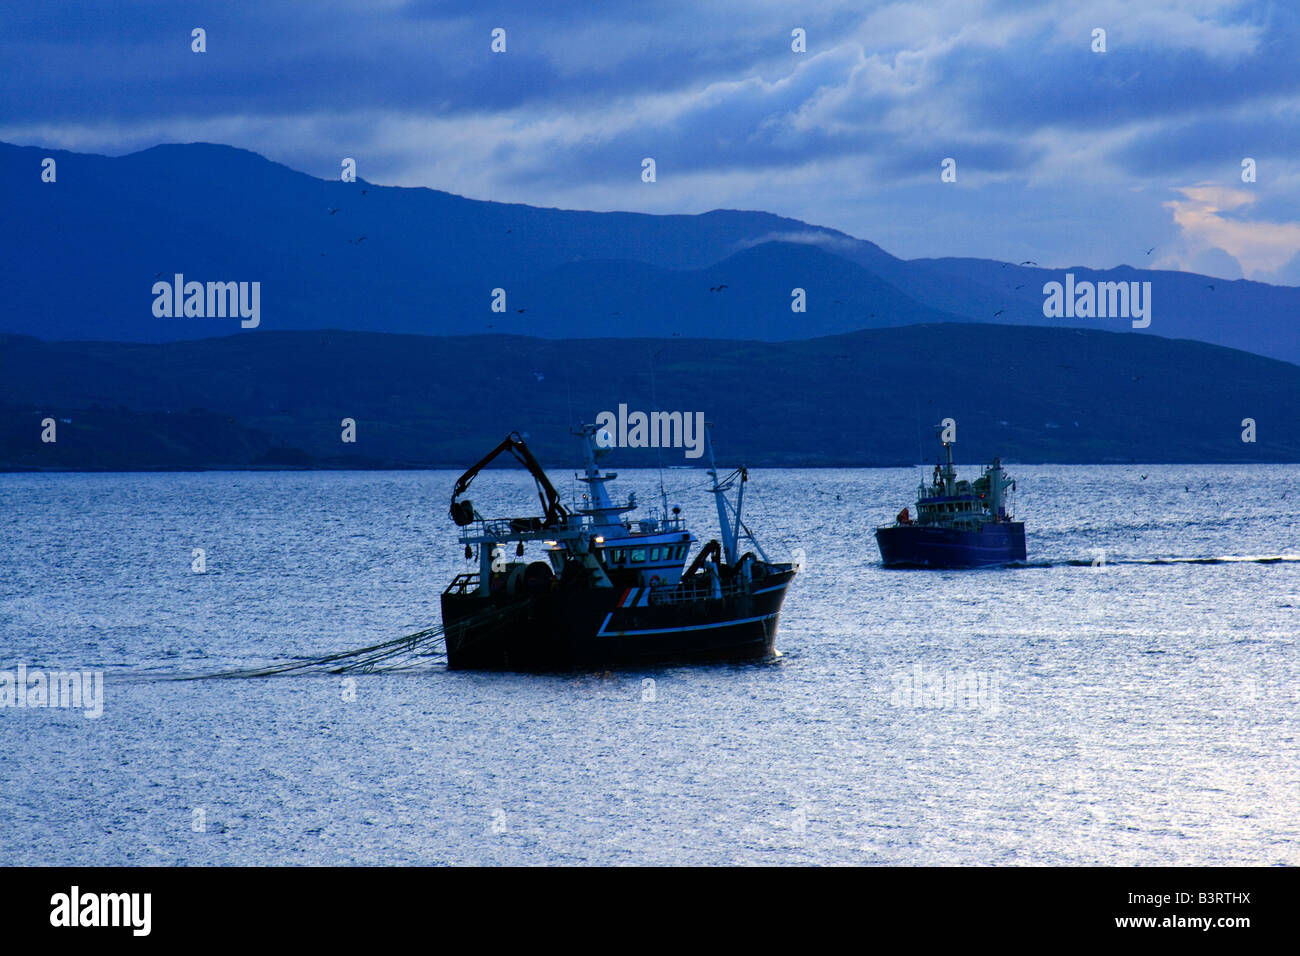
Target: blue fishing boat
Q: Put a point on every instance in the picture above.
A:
(958, 524)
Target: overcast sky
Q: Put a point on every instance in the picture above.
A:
(1064, 155)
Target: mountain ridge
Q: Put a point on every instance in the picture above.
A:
(78, 258)
(856, 399)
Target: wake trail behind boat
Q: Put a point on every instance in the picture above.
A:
(1222, 559)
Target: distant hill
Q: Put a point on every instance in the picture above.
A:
(277, 399)
(78, 259)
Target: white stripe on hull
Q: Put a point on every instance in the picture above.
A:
(675, 630)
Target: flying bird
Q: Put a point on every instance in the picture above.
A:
(1151, 250)
(358, 241)
(334, 210)
(998, 312)
(1029, 262)
(521, 311)
(1210, 287)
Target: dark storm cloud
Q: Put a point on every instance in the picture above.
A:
(133, 59)
(1217, 145)
(1038, 84)
(713, 92)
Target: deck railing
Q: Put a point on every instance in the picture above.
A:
(463, 584)
(689, 592)
(528, 529)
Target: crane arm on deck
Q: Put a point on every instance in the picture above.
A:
(463, 512)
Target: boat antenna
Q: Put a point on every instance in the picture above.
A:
(573, 476)
(654, 399)
(920, 451)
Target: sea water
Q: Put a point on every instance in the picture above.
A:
(1131, 696)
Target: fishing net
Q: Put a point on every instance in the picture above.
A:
(418, 649)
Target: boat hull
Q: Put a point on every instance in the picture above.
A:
(609, 628)
(931, 546)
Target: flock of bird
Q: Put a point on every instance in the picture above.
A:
(334, 209)
(1030, 262)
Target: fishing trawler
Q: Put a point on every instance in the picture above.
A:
(612, 591)
(958, 524)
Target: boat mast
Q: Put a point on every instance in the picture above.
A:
(949, 474)
(602, 509)
(720, 499)
(997, 489)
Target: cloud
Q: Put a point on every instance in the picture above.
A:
(830, 241)
(1216, 262)
(1060, 150)
(1206, 217)
(1223, 30)
(1289, 274)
